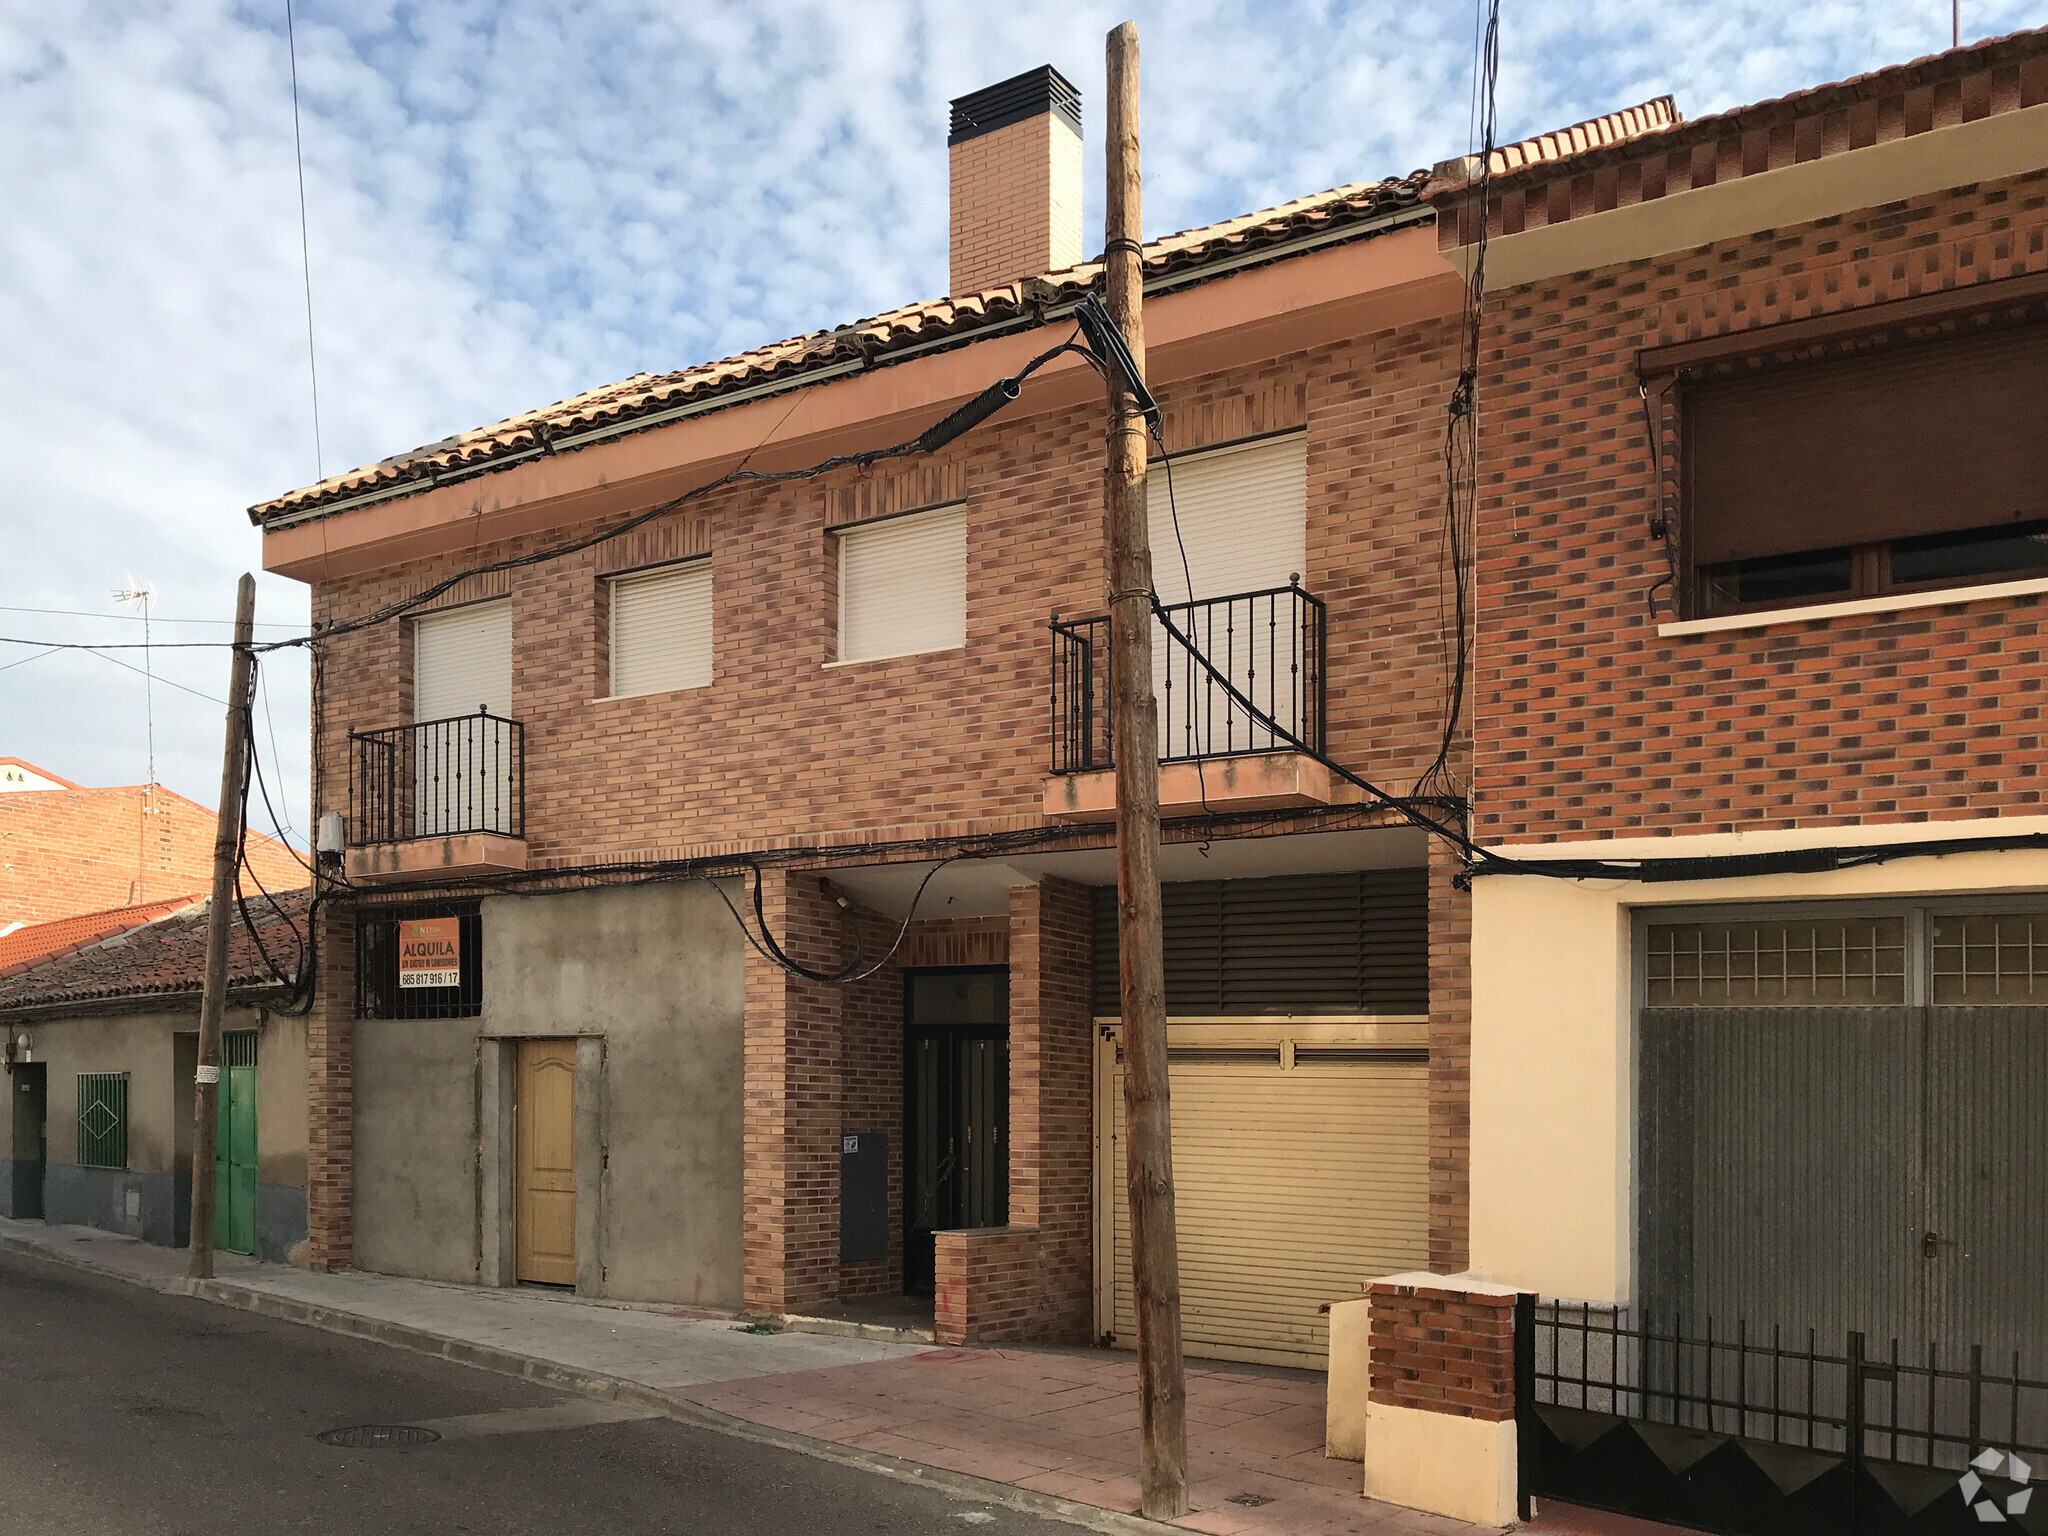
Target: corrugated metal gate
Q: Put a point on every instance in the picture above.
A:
(1842, 1225)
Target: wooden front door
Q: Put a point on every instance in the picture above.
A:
(545, 1175)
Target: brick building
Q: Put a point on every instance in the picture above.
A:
(1758, 1036)
(656, 763)
(66, 850)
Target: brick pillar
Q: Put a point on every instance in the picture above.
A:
(1440, 1415)
(1450, 1064)
(1052, 1067)
(330, 1092)
(792, 1109)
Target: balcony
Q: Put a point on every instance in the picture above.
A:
(1264, 648)
(441, 799)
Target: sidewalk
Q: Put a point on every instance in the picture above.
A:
(1052, 1430)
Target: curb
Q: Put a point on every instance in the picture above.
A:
(505, 1362)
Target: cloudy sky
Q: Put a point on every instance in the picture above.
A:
(509, 202)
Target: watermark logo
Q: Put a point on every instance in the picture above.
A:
(1983, 1504)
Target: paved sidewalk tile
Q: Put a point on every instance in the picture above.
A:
(1062, 1422)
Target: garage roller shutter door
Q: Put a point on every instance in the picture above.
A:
(1293, 1186)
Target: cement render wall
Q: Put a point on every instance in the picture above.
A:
(652, 976)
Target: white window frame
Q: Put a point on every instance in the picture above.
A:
(698, 565)
(849, 538)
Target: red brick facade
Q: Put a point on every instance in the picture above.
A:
(1595, 725)
(64, 852)
(1443, 1351)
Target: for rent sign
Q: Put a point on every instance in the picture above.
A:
(430, 952)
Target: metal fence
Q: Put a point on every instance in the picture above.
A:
(1860, 1431)
(1226, 674)
(378, 993)
(438, 778)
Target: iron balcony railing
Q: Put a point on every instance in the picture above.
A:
(437, 778)
(1263, 648)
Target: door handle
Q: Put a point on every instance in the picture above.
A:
(1931, 1244)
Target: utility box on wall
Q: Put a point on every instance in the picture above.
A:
(863, 1198)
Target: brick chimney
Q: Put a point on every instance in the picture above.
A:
(1016, 182)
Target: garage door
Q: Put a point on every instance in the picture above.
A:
(1301, 1169)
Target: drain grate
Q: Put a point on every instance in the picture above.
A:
(377, 1437)
(1249, 1500)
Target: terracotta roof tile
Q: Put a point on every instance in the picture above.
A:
(161, 959)
(858, 344)
(44, 941)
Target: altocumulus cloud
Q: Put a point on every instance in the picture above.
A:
(512, 202)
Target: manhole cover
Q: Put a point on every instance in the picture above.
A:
(1249, 1500)
(377, 1437)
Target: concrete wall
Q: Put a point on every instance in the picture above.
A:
(1553, 1119)
(151, 1197)
(650, 982)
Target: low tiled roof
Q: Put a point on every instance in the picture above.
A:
(1932, 69)
(162, 960)
(863, 342)
(42, 941)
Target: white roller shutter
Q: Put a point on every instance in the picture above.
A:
(1293, 1186)
(661, 629)
(462, 659)
(903, 585)
(465, 772)
(1243, 517)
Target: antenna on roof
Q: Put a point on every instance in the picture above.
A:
(1955, 23)
(140, 593)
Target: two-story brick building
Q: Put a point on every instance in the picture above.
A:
(770, 823)
(1762, 551)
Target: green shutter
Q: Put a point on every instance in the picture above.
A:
(103, 1119)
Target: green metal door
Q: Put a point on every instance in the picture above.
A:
(234, 1164)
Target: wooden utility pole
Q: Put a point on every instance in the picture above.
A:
(1134, 726)
(227, 842)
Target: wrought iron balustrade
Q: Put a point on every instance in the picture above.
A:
(437, 778)
(1266, 649)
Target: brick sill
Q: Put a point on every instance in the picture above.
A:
(436, 858)
(1898, 602)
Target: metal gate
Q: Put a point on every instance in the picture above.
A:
(1842, 1226)
(956, 1111)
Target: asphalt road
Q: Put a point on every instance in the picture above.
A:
(125, 1411)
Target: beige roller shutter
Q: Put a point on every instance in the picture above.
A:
(462, 659)
(661, 629)
(1294, 1185)
(1243, 517)
(903, 585)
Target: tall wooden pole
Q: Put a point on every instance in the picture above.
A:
(227, 840)
(1134, 725)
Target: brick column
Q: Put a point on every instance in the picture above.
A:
(1440, 1430)
(1450, 1064)
(330, 1092)
(792, 1109)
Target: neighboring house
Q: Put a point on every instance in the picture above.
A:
(16, 774)
(1763, 559)
(66, 851)
(818, 691)
(31, 944)
(101, 1046)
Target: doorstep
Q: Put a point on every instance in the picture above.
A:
(891, 1319)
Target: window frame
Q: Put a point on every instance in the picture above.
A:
(462, 1001)
(612, 581)
(845, 535)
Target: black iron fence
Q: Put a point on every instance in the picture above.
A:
(1729, 1428)
(1227, 673)
(438, 778)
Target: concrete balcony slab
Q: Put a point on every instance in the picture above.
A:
(436, 858)
(1265, 781)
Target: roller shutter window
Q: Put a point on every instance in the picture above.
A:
(661, 629)
(1292, 1187)
(903, 585)
(462, 660)
(1912, 466)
